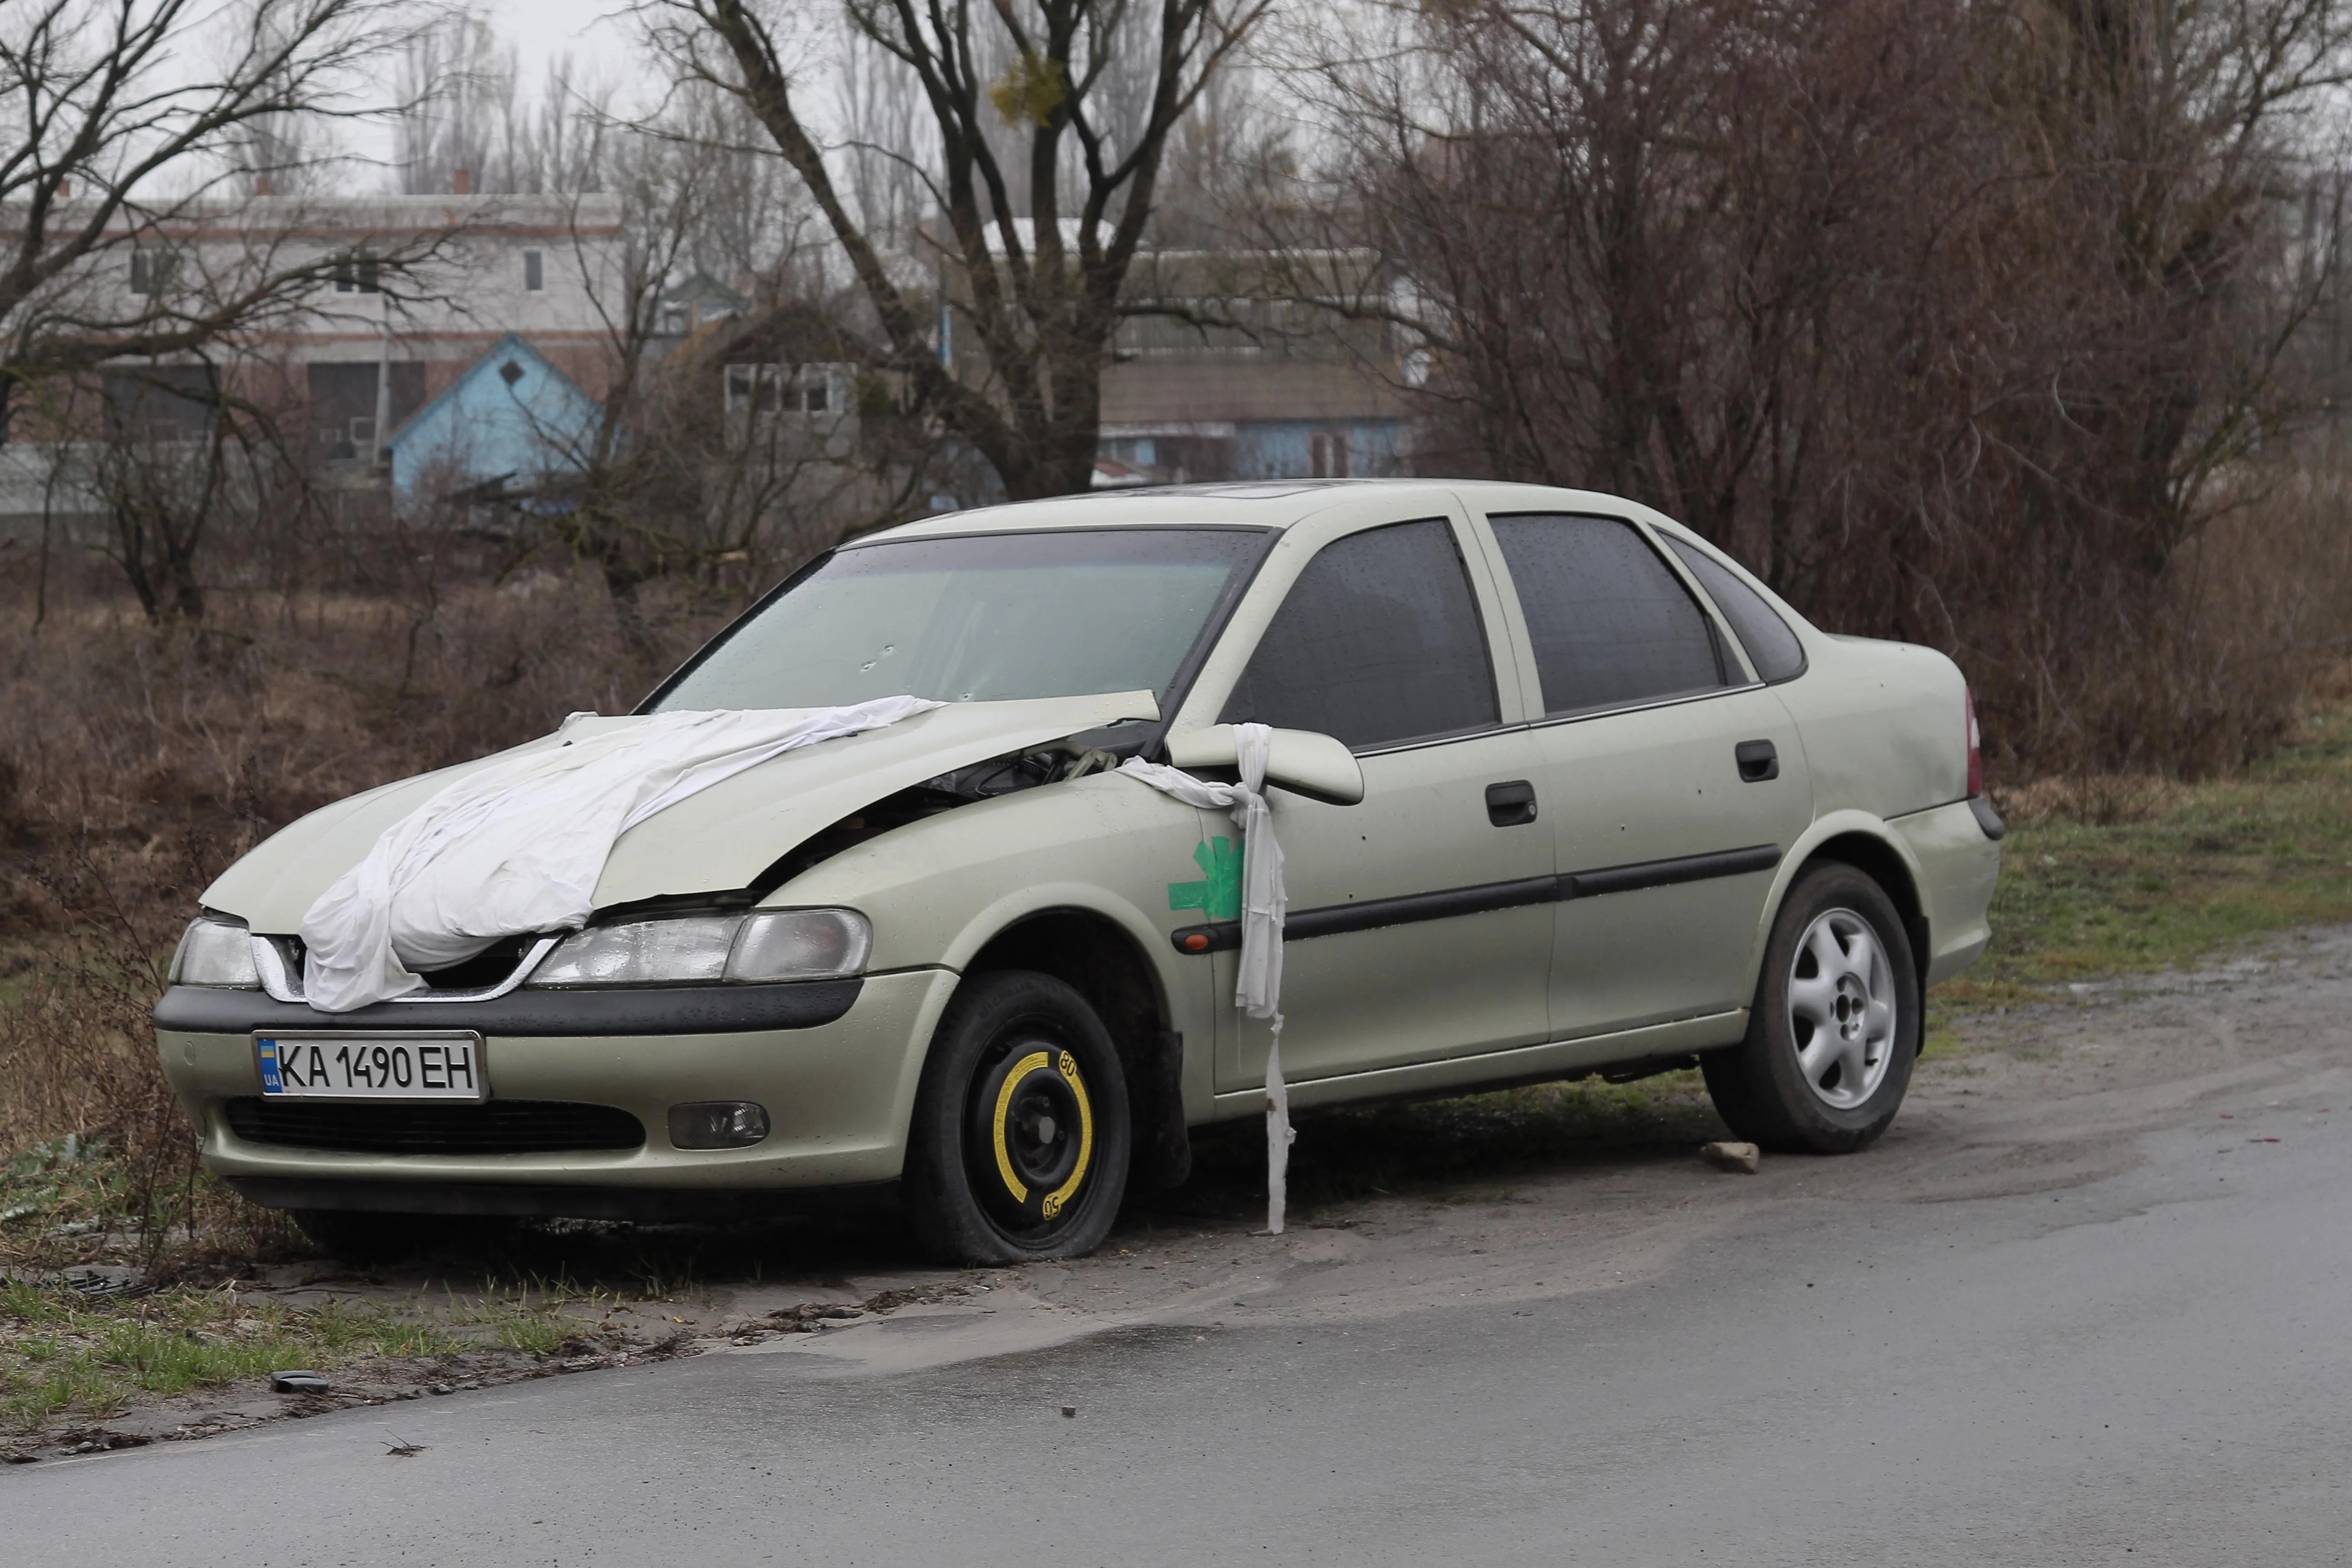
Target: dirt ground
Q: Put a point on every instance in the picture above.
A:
(2030, 1097)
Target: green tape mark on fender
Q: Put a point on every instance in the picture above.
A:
(1219, 898)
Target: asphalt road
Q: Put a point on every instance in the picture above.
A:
(2146, 1368)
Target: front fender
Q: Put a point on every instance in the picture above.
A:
(939, 891)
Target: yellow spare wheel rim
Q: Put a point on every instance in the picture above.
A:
(1037, 1133)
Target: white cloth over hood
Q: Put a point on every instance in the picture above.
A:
(1264, 903)
(518, 847)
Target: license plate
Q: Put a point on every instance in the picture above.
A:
(415, 1065)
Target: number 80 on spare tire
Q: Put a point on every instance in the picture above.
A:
(407, 1064)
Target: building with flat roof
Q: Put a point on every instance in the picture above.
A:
(412, 291)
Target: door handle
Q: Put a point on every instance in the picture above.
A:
(1511, 805)
(1758, 761)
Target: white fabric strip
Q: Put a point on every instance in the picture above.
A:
(518, 847)
(1258, 989)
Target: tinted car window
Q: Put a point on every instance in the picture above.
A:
(1771, 646)
(1379, 641)
(1611, 622)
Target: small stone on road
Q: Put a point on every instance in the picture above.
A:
(1739, 1158)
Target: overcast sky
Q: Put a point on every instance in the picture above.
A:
(543, 30)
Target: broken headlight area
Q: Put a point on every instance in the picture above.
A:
(757, 947)
(218, 953)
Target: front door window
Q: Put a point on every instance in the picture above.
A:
(1378, 643)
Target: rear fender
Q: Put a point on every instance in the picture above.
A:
(1867, 843)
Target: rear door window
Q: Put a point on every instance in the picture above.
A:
(1611, 623)
(1379, 642)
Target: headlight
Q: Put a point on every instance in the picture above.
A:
(703, 950)
(216, 952)
(800, 944)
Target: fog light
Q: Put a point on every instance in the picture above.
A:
(718, 1124)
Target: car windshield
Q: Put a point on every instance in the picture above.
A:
(979, 618)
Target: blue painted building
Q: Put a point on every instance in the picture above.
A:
(512, 421)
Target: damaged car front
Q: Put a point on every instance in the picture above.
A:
(748, 1014)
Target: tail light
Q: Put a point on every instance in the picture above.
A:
(1976, 744)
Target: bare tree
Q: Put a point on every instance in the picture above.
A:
(1946, 317)
(118, 146)
(186, 451)
(681, 471)
(1047, 120)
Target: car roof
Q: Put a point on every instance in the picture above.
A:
(1274, 503)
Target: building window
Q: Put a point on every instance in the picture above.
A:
(534, 274)
(162, 402)
(152, 272)
(357, 275)
(1326, 455)
(752, 386)
(769, 388)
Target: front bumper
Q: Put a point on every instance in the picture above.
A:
(839, 1094)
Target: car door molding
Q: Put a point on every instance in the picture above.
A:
(1373, 914)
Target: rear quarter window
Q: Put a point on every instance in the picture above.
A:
(1771, 646)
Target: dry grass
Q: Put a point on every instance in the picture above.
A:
(143, 759)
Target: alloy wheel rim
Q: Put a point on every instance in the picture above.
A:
(1842, 1009)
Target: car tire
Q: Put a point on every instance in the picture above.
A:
(1835, 1025)
(1020, 1141)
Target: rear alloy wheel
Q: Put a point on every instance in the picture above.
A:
(1020, 1141)
(1835, 1024)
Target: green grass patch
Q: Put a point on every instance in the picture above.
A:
(61, 1182)
(2130, 878)
(59, 1352)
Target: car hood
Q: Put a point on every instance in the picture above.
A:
(715, 841)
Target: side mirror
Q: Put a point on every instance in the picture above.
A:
(1301, 761)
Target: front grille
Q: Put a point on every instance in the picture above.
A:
(485, 970)
(493, 1127)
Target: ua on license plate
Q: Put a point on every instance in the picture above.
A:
(422, 1064)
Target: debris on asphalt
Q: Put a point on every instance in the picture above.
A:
(99, 1441)
(1069, 1411)
(297, 1381)
(806, 1318)
(1740, 1159)
(810, 1317)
